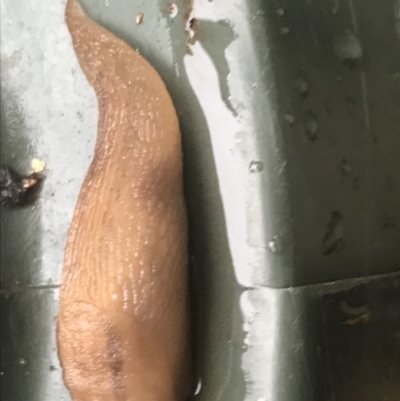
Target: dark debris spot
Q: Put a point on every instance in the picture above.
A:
(17, 190)
(192, 23)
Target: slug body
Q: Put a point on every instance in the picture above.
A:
(123, 320)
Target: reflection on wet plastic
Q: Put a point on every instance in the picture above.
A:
(333, 238)
(301, 85)
(311, 126)
(276, 245)
(256, 166)
(348, 48)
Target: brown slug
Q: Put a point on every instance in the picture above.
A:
(123, 324)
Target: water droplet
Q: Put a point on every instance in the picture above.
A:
(198, 387)
(311, 126)
(344, 167)
(280, 12)
(256, 166)
(351, 104)
(275, 245)
(289, 119)
(335, 6)
(301, 85)
(333, 237)
(172, 10)
(285, 30)
(23, 361)
(339, 78)
(348, 48)
(139, 18)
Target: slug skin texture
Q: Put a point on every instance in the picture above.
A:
(123, 323)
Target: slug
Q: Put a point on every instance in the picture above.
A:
(123, 322)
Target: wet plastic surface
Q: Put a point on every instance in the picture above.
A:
(290, 120)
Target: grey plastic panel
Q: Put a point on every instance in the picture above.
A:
(29, 361)
(336, 75)
(290, 120)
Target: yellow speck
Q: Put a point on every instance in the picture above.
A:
(30, 182)
(38, 166)
(139, 18)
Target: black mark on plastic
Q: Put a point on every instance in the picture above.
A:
(17, 190)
